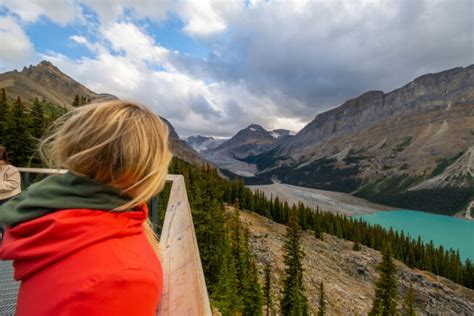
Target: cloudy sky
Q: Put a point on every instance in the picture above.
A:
(214, 67)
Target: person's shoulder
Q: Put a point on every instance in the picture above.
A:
(11, 168)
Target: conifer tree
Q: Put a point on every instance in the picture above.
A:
(246, 271)
(410, 260)
(322, 300)
(3, 115)
(318, 232)
(409, 303)
(38, 121)
(18, 139)
(225, 292)
(356, 238)
(267, 289)
(252, 293)
(76, 101)
(294, 301)
(386, 293)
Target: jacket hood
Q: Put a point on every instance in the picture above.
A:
(60, 192)
(38, 243)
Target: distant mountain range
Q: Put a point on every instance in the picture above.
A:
(47, 82)
(252, 140)
(412, 147)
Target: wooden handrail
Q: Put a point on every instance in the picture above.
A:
(185, 291)
(184, 286)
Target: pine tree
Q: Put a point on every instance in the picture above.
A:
(318, 232)
(3, 115)
(294, 301)
(267, 289)
(409, 303)
(322, 300)
(18, 140)
(38, 121)
(225, 292)
(386, 295)
(76, 101)
(252, 293)
(356, 238)
(410, 259)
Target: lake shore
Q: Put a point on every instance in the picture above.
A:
(329, 201)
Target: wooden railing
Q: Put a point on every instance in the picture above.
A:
(184, 287)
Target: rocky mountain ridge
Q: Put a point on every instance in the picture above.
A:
(386, 143)
(250, 141)
(46, 81)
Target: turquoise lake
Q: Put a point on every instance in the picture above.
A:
(450, 232)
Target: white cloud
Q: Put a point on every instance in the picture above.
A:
(16, 47)
(273, 63)
(61, 12)
(136, 44)
(112, 10)
(201, 18)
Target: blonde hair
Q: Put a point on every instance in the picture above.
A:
(119, 143)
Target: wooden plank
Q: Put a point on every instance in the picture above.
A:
(184, 289)
(169, 177)
(42, 170)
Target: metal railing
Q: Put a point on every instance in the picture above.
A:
(184, 287)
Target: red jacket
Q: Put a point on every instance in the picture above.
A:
(84, 262)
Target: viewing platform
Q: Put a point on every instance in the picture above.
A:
(184, 287)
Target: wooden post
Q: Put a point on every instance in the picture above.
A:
(26, 179)
(154, 212)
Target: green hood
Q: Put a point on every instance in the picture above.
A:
(60, 192)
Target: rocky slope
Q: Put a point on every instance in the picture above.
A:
(46, 81)
(249, 141)
(349, 275)
(422, 130)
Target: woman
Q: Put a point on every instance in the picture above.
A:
(10, 180)
(81, 241)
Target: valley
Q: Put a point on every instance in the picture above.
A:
(411, 148)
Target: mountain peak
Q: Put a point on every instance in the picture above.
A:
(255, 127)
(45, 63)
(43, 66)
(45, 81)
